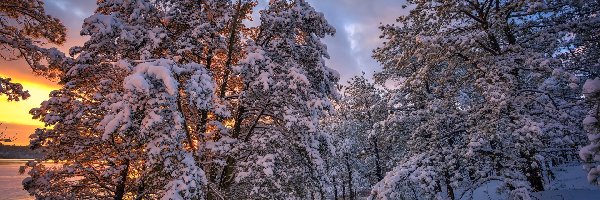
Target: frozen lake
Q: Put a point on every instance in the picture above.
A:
(10, 180)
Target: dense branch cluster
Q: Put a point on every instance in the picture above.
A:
(24, 29)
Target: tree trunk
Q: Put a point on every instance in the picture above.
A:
(350, 187)
(202, 124)
(378, 171)
(140, 190)
(534, 177)
(234, 29)
(335, 194)
(227, 173)
(343, 190)
(120, 189)
(449, 188)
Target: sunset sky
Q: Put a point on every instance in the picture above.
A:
(350, 50)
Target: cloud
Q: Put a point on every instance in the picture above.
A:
(71, 13)
(357, 23)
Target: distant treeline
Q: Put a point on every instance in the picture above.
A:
(17, 152)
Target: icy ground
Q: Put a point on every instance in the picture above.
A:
(10, 180)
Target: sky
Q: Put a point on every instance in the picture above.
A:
(350, 50)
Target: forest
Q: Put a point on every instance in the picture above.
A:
(185, 99)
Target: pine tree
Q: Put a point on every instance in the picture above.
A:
(195, 99)
(149, 118)
(482, 93)
(282, 89)
(584, 56)
(91, 162)
(365, 148)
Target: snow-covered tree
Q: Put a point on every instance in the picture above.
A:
(91, 159)
(24, 29)
(280, 90)
(585, 57)
(365, 148)
(482, 94)
(74, 111)
(203, 106)
(149, 116)
(14, 91)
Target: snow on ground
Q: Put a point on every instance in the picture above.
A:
(575, 194)
(10, 180)
(570, 183)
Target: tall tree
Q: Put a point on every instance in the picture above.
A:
(195, 98)
(365, 148)
(584, 56)
(283, 89)
(91, 162)
(482, 88)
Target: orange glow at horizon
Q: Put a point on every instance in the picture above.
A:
(15, 115)
(18, 111)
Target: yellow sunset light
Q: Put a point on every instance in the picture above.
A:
(17, 112)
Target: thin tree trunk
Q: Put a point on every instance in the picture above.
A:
(534, 175)
(335, 192)
(203, 120)
(140, 190)
(350, 187)
(227, 173)
(228, 169)
(378, 170)
(120, 190)
(235, 23)
(449, 188)
(343, 190)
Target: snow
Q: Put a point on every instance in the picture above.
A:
(297, 78)
(151, 119)
(267, 162)
(591, 86)
(111, 123)
(10, 180)
(264, 79)
(253, 57)
(568, 194)
(201, 87)
(161, 69)
(137, 82)
(100, 24)
(589, 120)
(570, 183)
